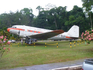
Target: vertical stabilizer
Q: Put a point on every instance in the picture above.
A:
(73, 31)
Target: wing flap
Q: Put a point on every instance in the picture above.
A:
(47, 34)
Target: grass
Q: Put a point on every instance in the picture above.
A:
(28, 55)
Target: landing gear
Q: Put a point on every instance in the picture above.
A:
(30, 40)
(70, 40)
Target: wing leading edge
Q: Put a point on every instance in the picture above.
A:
(47, 34)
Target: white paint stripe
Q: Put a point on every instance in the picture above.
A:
(62, 68)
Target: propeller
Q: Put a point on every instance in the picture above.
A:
(19, 32)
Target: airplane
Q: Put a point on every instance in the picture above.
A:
(33, 33)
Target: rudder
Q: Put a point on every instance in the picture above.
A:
(74, 31)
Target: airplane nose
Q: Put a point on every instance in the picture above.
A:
(8, 29)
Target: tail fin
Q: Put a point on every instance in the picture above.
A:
(73, 31)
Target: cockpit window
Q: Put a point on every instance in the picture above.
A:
(13, 27)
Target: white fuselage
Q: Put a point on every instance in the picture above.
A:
(24, 31)
(27, 30)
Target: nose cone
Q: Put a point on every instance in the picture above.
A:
(8, 29)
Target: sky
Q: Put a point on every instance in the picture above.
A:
(16, 5)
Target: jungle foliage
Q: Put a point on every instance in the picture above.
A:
(54, 18)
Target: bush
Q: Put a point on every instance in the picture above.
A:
(87, 36)
(3, 42)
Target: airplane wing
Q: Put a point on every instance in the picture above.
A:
(47, 34)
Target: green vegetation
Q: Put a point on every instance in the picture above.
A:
(53, 18)
(28, 55)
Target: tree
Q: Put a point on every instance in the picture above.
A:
(77, 17)
(41, 20)
(88, 6)
(39, 8)
(27, 16)
(57, 17)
